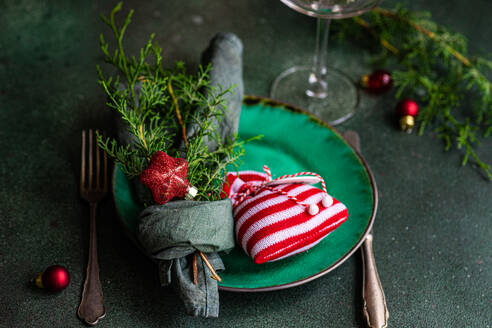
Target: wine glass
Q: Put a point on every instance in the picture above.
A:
(321, 90)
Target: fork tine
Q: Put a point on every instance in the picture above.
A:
(98, 165)
(90, 159)
(82, 164)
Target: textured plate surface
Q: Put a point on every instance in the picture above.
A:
(293, 141)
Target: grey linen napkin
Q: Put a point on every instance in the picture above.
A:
(172, 232)
(225, 54)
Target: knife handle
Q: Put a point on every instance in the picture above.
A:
(375, 309)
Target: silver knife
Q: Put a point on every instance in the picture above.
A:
(375, 309)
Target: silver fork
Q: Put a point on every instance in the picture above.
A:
(93, 188)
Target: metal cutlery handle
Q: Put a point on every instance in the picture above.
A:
(375, 309)
(91, 307)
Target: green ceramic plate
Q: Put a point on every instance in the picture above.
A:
(293, 141)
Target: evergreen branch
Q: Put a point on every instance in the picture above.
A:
(436, 70)
(425, 31)
(178, 114)
(383, 41)
(147, 101)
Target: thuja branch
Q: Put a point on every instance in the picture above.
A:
(383, 41)
(154, 103)
(425, 31)
(436, 69)
(178, 114)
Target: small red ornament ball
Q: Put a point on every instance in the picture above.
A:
(55, 278)
(378, 82)
(407, 107)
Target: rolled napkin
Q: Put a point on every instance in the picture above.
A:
(171, 232)
(178, 228)
(225, 54)
(201, 299)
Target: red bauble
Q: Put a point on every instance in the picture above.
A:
(407, 107)
(55, 278)
(166, 177)
(407, 110)
(378, 82)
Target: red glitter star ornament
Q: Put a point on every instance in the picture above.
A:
(166, 178)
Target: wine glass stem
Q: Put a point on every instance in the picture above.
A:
(317, 78)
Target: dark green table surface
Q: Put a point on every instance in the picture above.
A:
(433, 229)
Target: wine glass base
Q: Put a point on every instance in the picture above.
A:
(337, 106)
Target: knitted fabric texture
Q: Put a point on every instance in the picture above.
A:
(273, 221)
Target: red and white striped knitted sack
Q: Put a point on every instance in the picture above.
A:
(274, 220)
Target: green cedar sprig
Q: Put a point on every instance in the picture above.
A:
(157, 104)
(434, 68)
